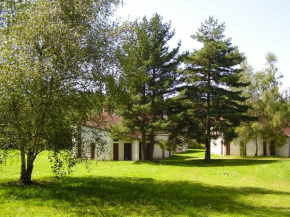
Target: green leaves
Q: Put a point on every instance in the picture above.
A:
(148, 75)
(211, 74)
(55, 59)
(267, 104)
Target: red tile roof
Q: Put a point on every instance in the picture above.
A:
(287, 131)
(104, 121)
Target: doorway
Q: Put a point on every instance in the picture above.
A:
(264, 148)
(93, 151)
(228, 149)
(116, 151)
(127, 151)
(140, 151)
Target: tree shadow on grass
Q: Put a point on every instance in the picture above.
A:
(190, 162)
(192, 151)
(107, 196)
(189, 159)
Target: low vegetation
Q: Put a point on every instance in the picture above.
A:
(184, 185)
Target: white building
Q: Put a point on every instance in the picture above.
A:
(97, 142)
(265, 148)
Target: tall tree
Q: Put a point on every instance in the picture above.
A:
(268, 105)
(149, 76)
(54, 56)
(251, 130)
(211, 74)
(275, 113)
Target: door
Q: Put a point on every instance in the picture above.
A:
(228, 149)
(127, 151)
(289, 146)
(93, 151)
(264, 148)
(116, 151)
(140, 151)
(79, 150)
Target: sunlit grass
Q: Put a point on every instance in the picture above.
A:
(183, 185)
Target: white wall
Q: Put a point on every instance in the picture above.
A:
(251, 147)
(102, 141)
(157, 154)
(161, 137)
(104, 145)
(284, 150)
(166, 154)
(235, 148)
(215, 146)
(134, 150)
(181, 149)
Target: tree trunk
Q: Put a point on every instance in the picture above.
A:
(208, 134)
(144, 146)
(153, 112)
(79, 143)
(151, 146)
(256, 154)
(207, 149)
(26, 167)
(23, 162)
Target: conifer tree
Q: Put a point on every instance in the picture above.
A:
(212, 77)
(149, 77)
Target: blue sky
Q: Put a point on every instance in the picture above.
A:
(255, 26)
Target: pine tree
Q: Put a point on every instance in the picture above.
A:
(212, 78)
(149, 77)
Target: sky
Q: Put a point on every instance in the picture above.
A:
(255, 26)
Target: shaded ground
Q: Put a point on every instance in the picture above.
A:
(107, 196)
(188, 159)
(184, 185)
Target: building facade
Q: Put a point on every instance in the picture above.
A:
(96, 142)
(262, 147)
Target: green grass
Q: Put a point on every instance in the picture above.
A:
(183, 185)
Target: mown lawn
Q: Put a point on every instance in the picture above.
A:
(184, 185)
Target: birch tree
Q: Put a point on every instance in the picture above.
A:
(268, 105)
(54, 57)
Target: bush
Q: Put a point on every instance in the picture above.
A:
(194, 144)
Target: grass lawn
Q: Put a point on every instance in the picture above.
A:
(183, 185)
